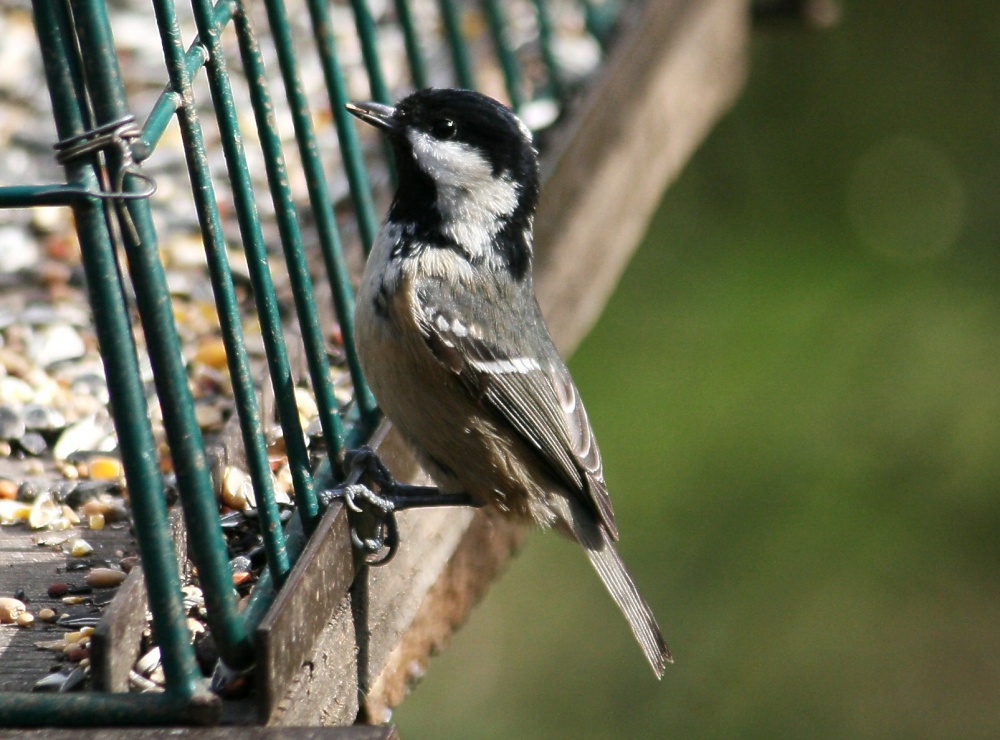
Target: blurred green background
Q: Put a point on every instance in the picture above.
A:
(797, 391)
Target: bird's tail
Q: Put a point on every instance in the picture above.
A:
(616, 578)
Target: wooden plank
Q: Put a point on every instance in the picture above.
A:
(32, 568)
(115, 644)
(325, 689)
(303, 608)
(680, 66)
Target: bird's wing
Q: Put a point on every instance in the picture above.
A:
(520, 375)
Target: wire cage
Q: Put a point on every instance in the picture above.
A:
(280, 191)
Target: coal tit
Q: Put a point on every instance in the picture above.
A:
(452, 340)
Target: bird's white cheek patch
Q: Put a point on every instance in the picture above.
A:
(448, 162)
(464, 178)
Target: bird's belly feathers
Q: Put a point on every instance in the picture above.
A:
(454, 439)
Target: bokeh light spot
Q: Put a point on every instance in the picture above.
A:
(905, 200)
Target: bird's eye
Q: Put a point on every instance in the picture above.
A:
(443, 128)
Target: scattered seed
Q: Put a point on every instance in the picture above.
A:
(10, 609)
(54, 645)
(105, 577)
(79, 548)
(105, 468)
(148, 662)
(211, 352)
(13, 511)
(53, 682)
(57, 589)
(76, 653)
(242, 578)
(44, 511)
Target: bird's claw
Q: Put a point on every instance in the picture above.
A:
(373, 511)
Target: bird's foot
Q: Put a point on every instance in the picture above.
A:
(373, 500)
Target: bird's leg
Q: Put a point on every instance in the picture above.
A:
(384, 496)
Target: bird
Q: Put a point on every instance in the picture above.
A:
(453, 344)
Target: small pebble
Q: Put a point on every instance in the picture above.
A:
(11, 423)
(39, 418)
(33, 443)
(211, 352)
(8, 489)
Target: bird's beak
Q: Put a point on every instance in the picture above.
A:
(378, 115)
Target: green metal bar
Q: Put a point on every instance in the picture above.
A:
(129, 410)
(227, 305)
(600, 17)
(456, 44)
(291, 236)
(28, 196)
(21, 709)
(168, 102)
(368, 36)
(264, 591)
(354, 165)
(163, 345)
(260, 277)
(156, 124)
(508, 60)
(545, 37)
(418, 69)
(326, 224)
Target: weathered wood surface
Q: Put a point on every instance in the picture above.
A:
(312, 602)
(31, 568)
(676, 68)
(115, 644)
